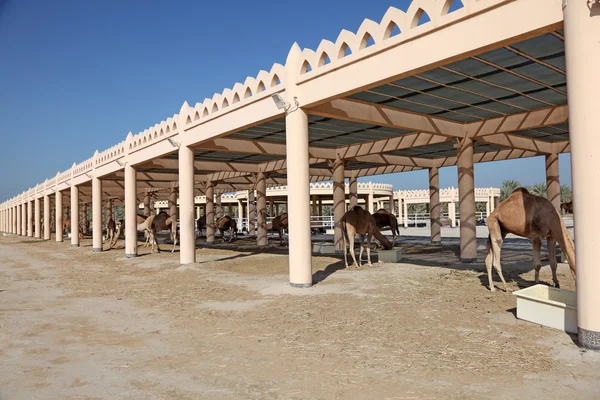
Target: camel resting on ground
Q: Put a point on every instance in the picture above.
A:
(385, 218)
(159, 222)
(226, 223)
(361, 222)
(533, 217)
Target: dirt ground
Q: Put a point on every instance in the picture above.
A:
(81, 325)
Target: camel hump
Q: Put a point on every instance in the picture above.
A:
(521, 190)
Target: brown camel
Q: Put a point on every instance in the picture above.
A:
(201, 224)
(226, 223)
(534, 217)
(361, 222)
(279, 223)
(567, 207)
(385, 218)
(67, 227)
(159, 222)
(120, 225)
(111, 228)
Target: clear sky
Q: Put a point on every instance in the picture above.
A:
(77, 76)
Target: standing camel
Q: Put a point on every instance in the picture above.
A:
(159, 222)
(385, 218)
(111, 228)
(361, 222)
(227, 223)
(533, 217)
(120, 227)
(279, 223)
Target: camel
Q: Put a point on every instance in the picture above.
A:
(111, 228)
(159, 222)
(533, 217)
(385, 218)
(361, 222)
(227, 223)
(120, 227)
(201, 224)
(567, 207)
(67, 227)
(279, 223)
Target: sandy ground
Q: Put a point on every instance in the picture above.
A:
(79, 325)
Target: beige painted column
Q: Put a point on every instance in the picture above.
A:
(492, 203)
(320, 206)
(466, 202)
(17, 220)
(582, 30)
(452, 213)
(24, 217)
(435, 206)
(187, 252)
(58, 215)
(339, 202)
(29, 218)
(552, 180)
(219, 205)
(83, 219)
(74, 216)
(251, 212)
(210, 212)
(96, 215)
(131, 209)
(240, 213)
(46, 217)
(487, 207)
(271, 208)
(405, 212)
(314, 205)
(261, 203)
(300, 253)
(147, 205)
(391, 205)
(370, 199)
(173, 202)
(109, 210)
(353, 191)
(38, 219)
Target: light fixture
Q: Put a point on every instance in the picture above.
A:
(119, 162)
(173, 143)
(280, 103)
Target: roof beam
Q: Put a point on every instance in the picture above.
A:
(260, 147)
(519, 122)
(375, 114)
(386, 145)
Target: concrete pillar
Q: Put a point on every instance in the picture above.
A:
(466, 202)
(58, 216)
(74, 216)
(83, 219)
(320, 206)
(582, 47)
(147, 210)
(405, 214)
(552, 180)
(17, 219)
(210, 212)
(271, 208)
(251, 212)
(492, 203)
(46, 217)
(219, 205)
(314, 205)
(452, 213)
(487, 207)
(24, 219)
(37, 219)
(435, 207)
(187, 252)
(399, 208)
(391, 203)
(131, 209)
(173, 202)
(300, 253)
(261, 203)
(240, 214)
(353, 192)
(29, 218)
(109, 210)
(96, 215)
(370, 199)
(339, 202)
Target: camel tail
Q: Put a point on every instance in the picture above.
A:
(567, 244)
(382, 239)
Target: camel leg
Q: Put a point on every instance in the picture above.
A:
(345, 252)
(360, 253)
(489, 259)
(537, 263)
(495, 240)
(351, 236)
(551, 242)
(496, 245)
(174, 234)
(369, 250)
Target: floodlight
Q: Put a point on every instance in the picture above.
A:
(173, 143)
(279, 102)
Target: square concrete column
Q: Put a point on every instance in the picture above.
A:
(300, 253)
(96, 215)
(58, 216)
(339, 202)
(219, 205)
(38, 219)
(466, 202)
(582, 47)
(187, 252)
(435, 208)
(353, 192)
(210, 212)
(261, 203)
(46, 217)
(251, 212)
(131, 209)
(552, 180)
(74, 216)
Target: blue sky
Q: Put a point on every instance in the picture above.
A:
(76, 76)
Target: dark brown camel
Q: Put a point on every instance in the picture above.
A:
(279, 223)
(361, 222)
(385, 218)
(567, 207)
(226, 223)
(533, 217)
(159, 222)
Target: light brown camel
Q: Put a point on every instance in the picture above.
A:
(159, 222)
(533, 217)
(385, 218)
(226, 223)
(67, 227)
(120, 227)
(111, 229)
(279, 223)
(361, 222)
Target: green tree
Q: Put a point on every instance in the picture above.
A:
(507, 188)
(539, 189)
(566, 194)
